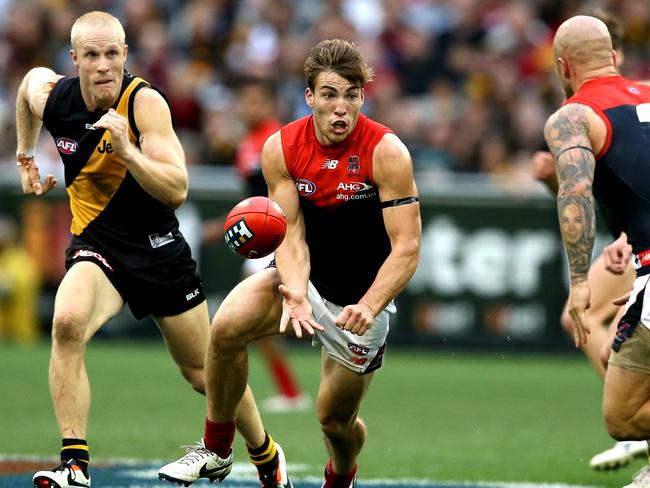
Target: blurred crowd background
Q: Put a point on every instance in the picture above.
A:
(466, 84)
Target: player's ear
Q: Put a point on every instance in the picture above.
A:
(73, 55)
(126, 51)
(564, 67)
(309, 97)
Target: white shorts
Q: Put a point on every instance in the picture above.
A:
(362, 354)
(252, 266)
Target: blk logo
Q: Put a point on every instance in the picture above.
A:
(105, 147)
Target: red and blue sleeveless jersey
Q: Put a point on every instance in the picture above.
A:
(622, 175)
(343, 218)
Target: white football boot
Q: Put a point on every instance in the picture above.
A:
(198, 462)
(619, 455)
(67, 475)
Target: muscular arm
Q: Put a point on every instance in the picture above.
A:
(30, 105)
(159, 165)
(32, 96)
(293, 254)
(393, 174)
(567, 136)
(571, 133)
(292, 257)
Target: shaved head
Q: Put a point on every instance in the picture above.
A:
(93, 20)
(583, 40)
(582, 49)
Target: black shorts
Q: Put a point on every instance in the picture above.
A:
(161, 290)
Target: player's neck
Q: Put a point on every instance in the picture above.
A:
(595, 74)
(95, 104)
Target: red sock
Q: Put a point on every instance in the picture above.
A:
(333, 480)
(284, 379)
(219, 437)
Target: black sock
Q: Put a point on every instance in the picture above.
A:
(76, 449)
(264, 457)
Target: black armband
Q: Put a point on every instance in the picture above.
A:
(399, 201)
(574, 147)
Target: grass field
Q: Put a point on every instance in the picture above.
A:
(437, 415)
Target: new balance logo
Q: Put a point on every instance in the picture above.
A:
(330, 164)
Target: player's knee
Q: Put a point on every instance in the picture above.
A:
(67, 327)
(195, 377)
(227, 335)
(333, 428)
(335, 425)
(624, 429)
(223, 335)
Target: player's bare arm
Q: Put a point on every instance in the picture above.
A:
(393, 174)
(567, 134)
(30, 103)
(292, 257)
(159, 164)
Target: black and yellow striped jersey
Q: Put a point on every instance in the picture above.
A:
(109, 207)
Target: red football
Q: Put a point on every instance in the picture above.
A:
(255, 227)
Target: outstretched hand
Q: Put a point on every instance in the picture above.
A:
(579, 296)
(297, 310)
(30, 178)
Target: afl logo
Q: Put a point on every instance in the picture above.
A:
(358, 350)
(66, 146)
(305, 187)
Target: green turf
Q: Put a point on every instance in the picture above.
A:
(437, 415)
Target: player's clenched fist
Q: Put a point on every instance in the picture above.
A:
(118, 126)
(357, 318)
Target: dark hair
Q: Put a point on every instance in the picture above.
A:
(614, 26)
(340, 56)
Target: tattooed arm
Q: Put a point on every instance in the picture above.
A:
(567, 134)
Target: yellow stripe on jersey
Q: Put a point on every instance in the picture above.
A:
(98, 181)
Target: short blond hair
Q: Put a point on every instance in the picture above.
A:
(96, 19)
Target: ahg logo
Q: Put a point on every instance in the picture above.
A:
(355, 186)
(66, 146)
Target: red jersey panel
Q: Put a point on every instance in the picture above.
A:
(247, 159)
(344, 224)
(622, 176)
